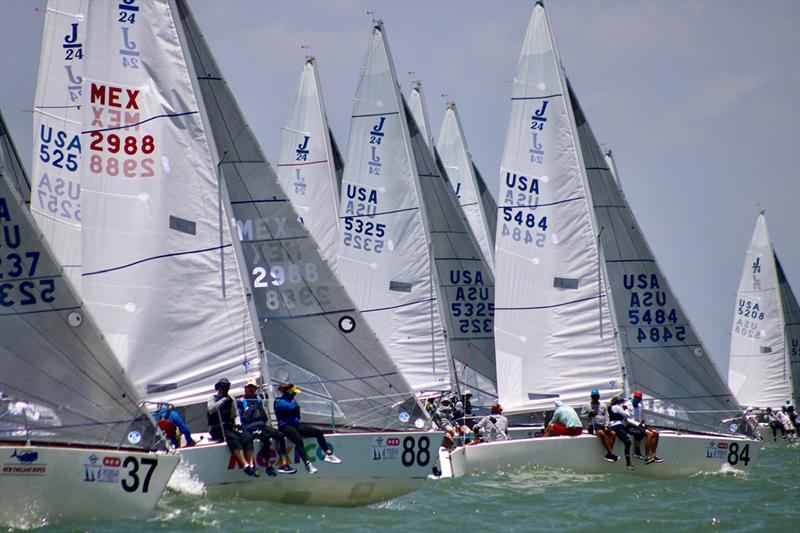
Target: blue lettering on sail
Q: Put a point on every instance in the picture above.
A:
(655, 319)
(377, 132)
(301, 153)
(472, 309)
(538, 119)
(129, 53)
(127, 11)
(299, 182)
(536, 151)
(374, 164)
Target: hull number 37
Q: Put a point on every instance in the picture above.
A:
(139, 472)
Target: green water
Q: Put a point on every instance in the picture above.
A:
(527, 500)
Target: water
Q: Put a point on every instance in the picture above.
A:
(527, 500)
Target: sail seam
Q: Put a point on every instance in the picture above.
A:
(547, 306)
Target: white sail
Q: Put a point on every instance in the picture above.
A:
(764, 333)
(314, 335)
(464, 281)
(307, 167)
(384, 258)
(159, 268)
(57, 165)
(553, 329)
(416, 104)
(474, 197)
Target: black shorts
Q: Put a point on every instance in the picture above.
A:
(636, 431)
(594, 428)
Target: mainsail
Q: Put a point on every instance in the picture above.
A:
(416, 104)
(474, 197)
(315, 336)
(464, 281)
(663, 355)
(764, 366)
(60, 382)
(307, 168)
(159, 268)
(57, 165)
(384, 257)
(553, 328)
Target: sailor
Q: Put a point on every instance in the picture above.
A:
(786, 423)
(222, 426)
(641, 431)
(492, 427)
(565, 422)
(597, 424)
(617, 417)
(288, 413)
(255, 424)
(171, 423)
(772, 420)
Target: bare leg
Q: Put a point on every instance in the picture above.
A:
(239, 454)
(604, 439)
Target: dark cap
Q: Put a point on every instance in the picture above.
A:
(221, 384)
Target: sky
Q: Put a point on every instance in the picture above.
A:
(699, 101)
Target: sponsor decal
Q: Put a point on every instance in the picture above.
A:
(101, 469)
(385, 449)
(22, 463)
(716, 450)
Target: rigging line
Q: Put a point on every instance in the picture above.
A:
(562, 304)
(376, 115)
(334, 362)
(364, 311)
(162, 256)
(381, 213)
(264, 201)
(127, 126)
(52, 310)
(568, 200)
(675, 384)
(354, 378)
(76, 411)
(310, 315)
(301, 164)
(536, 97)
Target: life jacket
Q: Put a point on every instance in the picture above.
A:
(252, 412)
(165, 424)
(224, 414)
(613, 416)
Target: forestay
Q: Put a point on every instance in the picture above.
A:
(764, 335)
(464, 281)
(57, 165)
(307, 164)
(476, 201)
(315, 336)
(663, 355)
(159, 265)
(60, 382)
(553, 329)
(384, 257)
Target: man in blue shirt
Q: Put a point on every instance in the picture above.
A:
(288, 414)
(171, 423)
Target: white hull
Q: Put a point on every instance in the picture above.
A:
(684, 454)
(375, 467)
(48, 484)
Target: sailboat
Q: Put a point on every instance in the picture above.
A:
(474, 197)
(74, 443)
(263, 301)
(764, 368)
(310, 165)
(464, 279)
(581, 302)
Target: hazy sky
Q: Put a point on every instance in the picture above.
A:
(700, 101)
